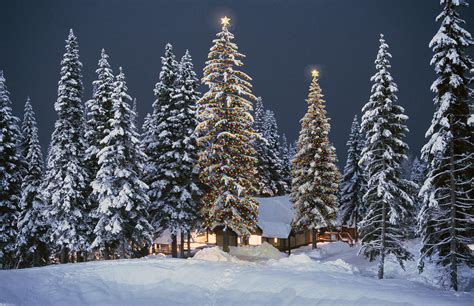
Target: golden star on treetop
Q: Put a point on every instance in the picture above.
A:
(225, 21)
(315, 73)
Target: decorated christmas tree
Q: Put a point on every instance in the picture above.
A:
(227, 158)
(315, 175)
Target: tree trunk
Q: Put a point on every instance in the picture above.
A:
(79, 257)
(382, 247)
(174, 246)
(356, 232)
(64, 256)
(289, 244)
(123, 250)
(189, 244)
(181, 245)
(452, 230)
(36, 258)
(225, 246)
(314, 237)
(106, 253)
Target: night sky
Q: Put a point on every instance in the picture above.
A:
(283, 40)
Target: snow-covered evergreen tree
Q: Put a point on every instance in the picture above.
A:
(66, 176)
(158, 144)
(352, 189)
(387, 198)
(227, 159)
(267, 146)
(186, 188)
(446, 219)
(260, 144)
(31, 241)
(275, 165)
(418, 176)
(123, 202)
(135, 112)
(146, 124)
(286, 161)
(315, 175)
(11, 168)
(98, 113)
(292, 151)
(171, 131)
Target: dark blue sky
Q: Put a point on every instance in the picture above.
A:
(282, 39)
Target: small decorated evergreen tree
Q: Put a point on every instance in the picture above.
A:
(315, 175)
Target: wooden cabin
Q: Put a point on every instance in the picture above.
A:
(274, 226)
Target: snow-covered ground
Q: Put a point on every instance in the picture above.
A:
(333, 275)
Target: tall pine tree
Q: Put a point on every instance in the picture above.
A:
(352, 189)
(227, 159)
(66, 176)
(121, 195)
(315, 175)
(446, 217)
(160, 169)
(31, 241)
(98, 113)
(187, 199)
(387, 197)
(11, 169)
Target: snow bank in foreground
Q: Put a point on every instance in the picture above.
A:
(242, 254)
(337, 277)
(215, 254)
(261, 252)
(324, 250)
(302, 262)
(168, 281)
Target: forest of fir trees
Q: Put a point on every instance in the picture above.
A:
(106, 188)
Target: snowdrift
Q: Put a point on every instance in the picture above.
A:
(333, 275)
(262, 252)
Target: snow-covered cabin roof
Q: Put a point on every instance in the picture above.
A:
(275, 216)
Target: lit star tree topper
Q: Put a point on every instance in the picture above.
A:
(227, 159)
(225, 21)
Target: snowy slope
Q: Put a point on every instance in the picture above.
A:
(330, 278)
